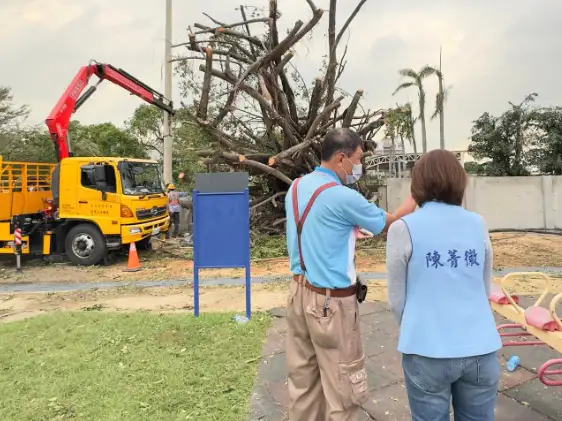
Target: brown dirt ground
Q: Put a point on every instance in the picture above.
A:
(162, 300)
(520, 249)
(510, 250)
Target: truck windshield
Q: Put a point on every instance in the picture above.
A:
(140, 178)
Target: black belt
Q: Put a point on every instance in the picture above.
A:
(339, 292)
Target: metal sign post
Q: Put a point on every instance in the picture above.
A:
(221, 227)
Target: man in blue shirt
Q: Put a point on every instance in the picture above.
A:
(325, 359)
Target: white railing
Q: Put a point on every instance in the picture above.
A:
(381, 164)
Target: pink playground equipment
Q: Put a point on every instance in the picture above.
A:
(542, 323)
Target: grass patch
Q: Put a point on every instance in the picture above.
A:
(262, 247)
(268, 247)
(132, 366)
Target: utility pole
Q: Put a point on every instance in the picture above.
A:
(168, 178)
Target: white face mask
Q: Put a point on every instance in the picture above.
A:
(356, 173)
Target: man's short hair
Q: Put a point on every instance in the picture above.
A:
(438, 177)
(340, 140)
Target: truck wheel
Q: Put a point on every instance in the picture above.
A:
(85, 245)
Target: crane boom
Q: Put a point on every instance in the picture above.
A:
(58, 120)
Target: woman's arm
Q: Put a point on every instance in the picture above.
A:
(398, 252)
(488, 259)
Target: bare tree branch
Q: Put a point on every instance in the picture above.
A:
(232, 25)
(292, 38)
(350, 112)
(205, 91)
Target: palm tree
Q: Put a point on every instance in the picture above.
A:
(416, 79)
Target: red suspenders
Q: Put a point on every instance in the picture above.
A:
(299, 221)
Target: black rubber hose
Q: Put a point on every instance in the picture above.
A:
(532, 231)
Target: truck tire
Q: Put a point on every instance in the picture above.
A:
(85, 245)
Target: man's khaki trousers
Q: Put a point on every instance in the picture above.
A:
(325, 359)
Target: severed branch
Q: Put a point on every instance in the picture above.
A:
(193, 45)
(273, 32)
(348, 22)
(216, 60)
(329, 80)
(294, 36)
(224, 110)
(342, 64)
(242, 160)
(260, 202)
(281, 65)
(350, 112)
(243, 13)
(261, 100)
(315, 100)
(312, 6)
(291, 151)
(309, 137)
(371, 126)
(325, 112)
(228, 26)
(205, 91)
(255, 41)
(281, 62)
(279, 50)
(214, 20)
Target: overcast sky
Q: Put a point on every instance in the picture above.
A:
(493, 51)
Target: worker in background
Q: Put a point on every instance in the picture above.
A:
(325, 358)
(174, 208)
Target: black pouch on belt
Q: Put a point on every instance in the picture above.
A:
(361, 290)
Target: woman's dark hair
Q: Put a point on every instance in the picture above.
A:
(438, 177)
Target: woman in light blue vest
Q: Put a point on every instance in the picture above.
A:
(439, 265)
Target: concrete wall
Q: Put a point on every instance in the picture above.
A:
(186, 216)
(186, 221)
(505, 202)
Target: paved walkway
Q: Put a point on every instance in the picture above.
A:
(522, 397)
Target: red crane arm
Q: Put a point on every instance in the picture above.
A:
(59, 117)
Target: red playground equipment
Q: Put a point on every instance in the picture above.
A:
(542, 323)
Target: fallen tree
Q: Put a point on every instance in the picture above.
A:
(264, 118)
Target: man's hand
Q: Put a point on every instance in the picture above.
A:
(408, 206)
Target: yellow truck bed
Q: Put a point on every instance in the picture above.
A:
(23, 187)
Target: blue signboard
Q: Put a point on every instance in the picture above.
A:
(221, 232)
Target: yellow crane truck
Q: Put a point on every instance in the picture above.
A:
(83, 207)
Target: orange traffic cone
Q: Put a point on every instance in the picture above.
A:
(133, 265)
